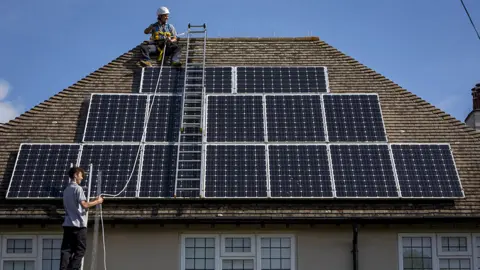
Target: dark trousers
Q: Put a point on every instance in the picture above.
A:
(73, 248)
(172, 48)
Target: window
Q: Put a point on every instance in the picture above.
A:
(30, 252)
(446, 251)
(237, 252)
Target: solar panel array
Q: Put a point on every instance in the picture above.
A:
(268, 132)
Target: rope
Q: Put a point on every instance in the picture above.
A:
(134, 164)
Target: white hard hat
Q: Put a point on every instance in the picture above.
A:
(162, 10)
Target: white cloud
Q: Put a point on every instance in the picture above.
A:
(4, 88)
(8, 110)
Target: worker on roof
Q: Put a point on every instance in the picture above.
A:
(163, 36)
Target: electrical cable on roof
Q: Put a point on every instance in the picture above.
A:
(469, 17)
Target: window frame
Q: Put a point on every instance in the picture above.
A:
(472, 261)
(293, 244)
(253, 258)
(454, 253)
(253, 244)
(217, 247)
(433, 240)
(40, 247)
(6, 255)
(30, 259)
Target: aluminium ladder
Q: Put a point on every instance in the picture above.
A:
(188, 174)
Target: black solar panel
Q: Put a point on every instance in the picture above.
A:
(217, 79)
(363, 171)
(295, 118)
(171, 80)
(235, 171)
(116, 164)
(281, 79)
(354, 118)
(41, 170)
(164, 121)
(299, 171)
(114, 117)
(235, 119)
(426, 170)
(158, 171)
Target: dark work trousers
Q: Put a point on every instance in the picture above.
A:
(172, 48)
(73, 248)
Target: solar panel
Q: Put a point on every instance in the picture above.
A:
(235, 119)
(426, 170)
(281, 79)
(354, 118)
(171, 80)
(158, 171)
(235, 171)
(113, 117)
(295, 118)
(115, 162)
(218, 79)
(299, 171)
(164, 121)
(41, 170)
(363, 171)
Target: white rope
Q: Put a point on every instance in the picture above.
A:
(134, 164)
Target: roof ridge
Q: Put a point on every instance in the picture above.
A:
(455, 123)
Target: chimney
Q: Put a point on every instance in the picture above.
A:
(476, 97)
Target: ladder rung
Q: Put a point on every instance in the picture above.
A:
(192, 116)
(191, 134)
(193, 100)
(192, 108)
(194, 64)
(194, 78)
(198, 32)
(188, 179)
(193, 85)
(187, 189)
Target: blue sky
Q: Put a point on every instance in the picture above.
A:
(427, 46)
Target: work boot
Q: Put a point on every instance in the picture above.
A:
(176, 64)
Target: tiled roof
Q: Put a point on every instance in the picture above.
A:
(407, 118)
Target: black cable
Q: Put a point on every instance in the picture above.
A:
(471, 21)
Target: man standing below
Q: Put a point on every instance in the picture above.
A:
(162, 33)
(75, 224)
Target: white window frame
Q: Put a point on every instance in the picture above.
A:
(433, 240)
(217, 248)
(253, 245)
(237, 258)
(476, 259)
(256, 246)
(472, 261)
(454, 253)
(293, 244)
(15, 259)
(40, 246)
(6, 255)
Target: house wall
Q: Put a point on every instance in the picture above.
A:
(319, 247)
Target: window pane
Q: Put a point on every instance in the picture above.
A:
(200, 253)
(18, 265)
(455, 264)
(19, 246)
(237, 244)
(417, 253)
(276, 255)
(50, 254)
(454, 244)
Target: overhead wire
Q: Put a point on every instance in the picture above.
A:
(470, 18)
